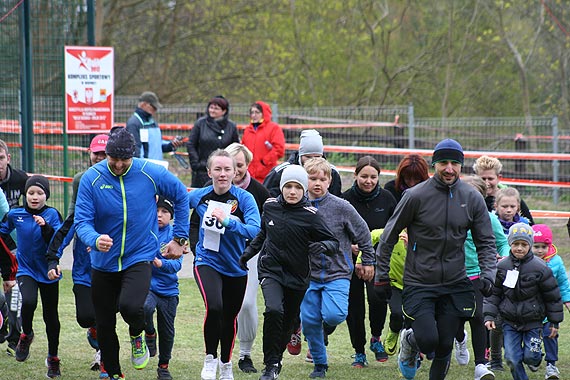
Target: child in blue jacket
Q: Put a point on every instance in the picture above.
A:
(35, 224)
(544, 249)
(163, 294)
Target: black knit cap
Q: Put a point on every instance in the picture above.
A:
(39, 181)
(165, 203)
(447, 149)
(121, 143)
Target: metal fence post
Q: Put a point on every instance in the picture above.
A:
(411, 126)
(26, 98)
(275, 112)
(555, 163)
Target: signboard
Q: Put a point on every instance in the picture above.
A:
(89, 89)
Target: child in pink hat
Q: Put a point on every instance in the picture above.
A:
(544, 249)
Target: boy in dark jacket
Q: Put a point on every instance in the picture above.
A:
(525, 292)
(291, 231)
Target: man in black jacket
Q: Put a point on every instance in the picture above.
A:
(437, 294)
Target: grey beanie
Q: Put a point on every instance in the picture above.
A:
(311, 142)
(121, 143)
(294, 173)
(521, 231)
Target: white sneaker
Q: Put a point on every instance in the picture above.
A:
(96, 363)
(210, 369)
(461, 351)
(552, 373)
(483, 373)
(226, 371)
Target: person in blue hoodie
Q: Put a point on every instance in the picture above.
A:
(163, 294)
(35, 224)
(148, 137)
(115, 215)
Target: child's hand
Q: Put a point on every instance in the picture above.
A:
(157, 262)
(364, 272)
(104, 243)
(54, 273)
(355, 249)
(404, 236)
(553, 332)
(219, 214)
(490, 325)
(39, 220)
(7, 285)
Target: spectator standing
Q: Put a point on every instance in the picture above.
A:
(525, 293)
(375, 205)
(81, 270)
(116, 216)
(291, 232)
(229, 216)
(163, 294)
(310, 146)
(265, 140)
(437, 294)
(148, 137)
(210, 132)
(547, 251)
(35, 224)
(489, 169)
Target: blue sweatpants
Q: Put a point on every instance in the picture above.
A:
(323, 303)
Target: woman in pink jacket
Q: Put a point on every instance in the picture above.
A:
(265, 140)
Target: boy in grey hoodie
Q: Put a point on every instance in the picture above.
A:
(325, 304)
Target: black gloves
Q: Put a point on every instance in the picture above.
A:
(486, 287)
(383, 289)
(243, 259)
(317, 248)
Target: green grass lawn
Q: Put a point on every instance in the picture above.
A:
(188, 352)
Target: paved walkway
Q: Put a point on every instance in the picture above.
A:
(186, 272)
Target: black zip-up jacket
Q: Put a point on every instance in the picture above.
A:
(273, 179)
(283, 242)
(14, 186)
(535, 296)
(438, 217)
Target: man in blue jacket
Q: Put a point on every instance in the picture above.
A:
(115, 215)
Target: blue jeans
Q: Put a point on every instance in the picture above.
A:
(165, 314)
(521, 347)
(323, 303)
(550, 344)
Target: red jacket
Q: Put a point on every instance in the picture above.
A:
(267, 144)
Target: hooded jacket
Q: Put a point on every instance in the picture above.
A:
(266, 142)
(534, 296)
(348, 227)
(283, 242)
(437, 217)
(124, 207)
(273, 179)
(206, 136)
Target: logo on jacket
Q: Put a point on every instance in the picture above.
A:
(234, 204)
(106, 187)
(19, 219)
(271, 223)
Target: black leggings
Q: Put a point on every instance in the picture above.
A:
(435, 334)
(125, 292)
(84, 311)
(50, 298)
(377, 309)
(223, 296)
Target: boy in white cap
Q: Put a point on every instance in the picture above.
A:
(525, 292)
(291, 230)
(310, 146)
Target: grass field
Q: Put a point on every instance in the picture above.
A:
(76, 354)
